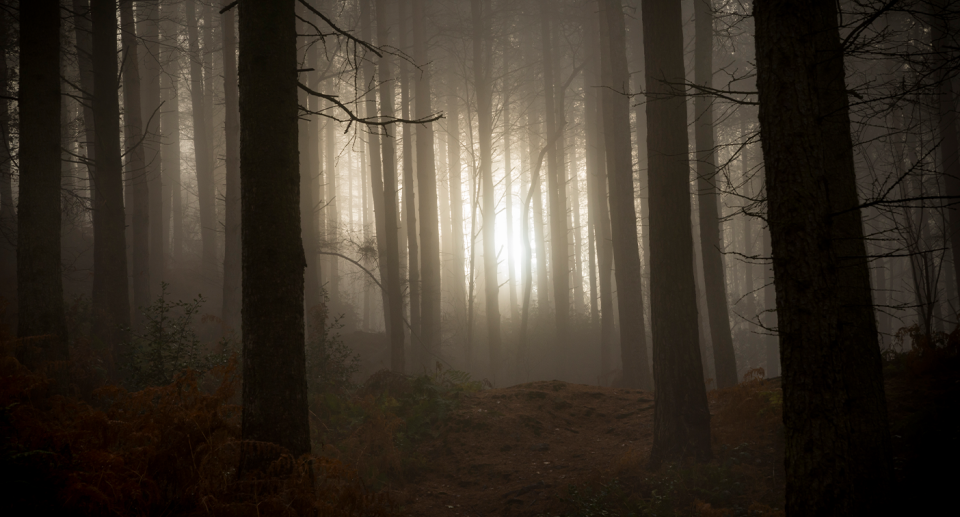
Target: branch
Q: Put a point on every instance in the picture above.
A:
(369, 121)
(349, 36)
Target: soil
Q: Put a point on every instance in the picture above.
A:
(510, 451)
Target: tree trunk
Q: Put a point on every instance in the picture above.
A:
(333, 214)
(623, 215)
(202, 151)
(39, 283)
(409, 191)
(710, 229)
(508, 184)
(84, 48)
(170, 129)
(232, 264)
(681, 417)
(8, 211)
(309, 186)
(482, 64)
(949, 141)
(771, 338)
(148, 27)
(597, 189)
(427, 186)
(393, 311)
(454, 166)
(136, 164)
(836, 435)
(274, 364)
(555, 187)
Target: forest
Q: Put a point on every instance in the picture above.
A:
(479, 257)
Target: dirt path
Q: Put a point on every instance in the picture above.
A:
(508, 451)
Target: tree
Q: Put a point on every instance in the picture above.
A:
(206, 189)
(394, 309)
(232, 266)
(837, 445)
(710, 229)
(110, 301)
(482, 82)
(427, 187)
(137, 174)
(39, 285)
(148, 27)
(170, 129)
(274, 362)
(623, 214)
(681, 415)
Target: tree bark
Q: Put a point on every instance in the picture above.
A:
(409, 191)
(274, 364)
(202, 151)
(133, 139)
(309, 187)
(681, 415)
(333, 219)
(559, 262)
(623, 215)
(39, 283)
(837, 444)
(148, 27)
(232, 264)
(482, 72)
(454, 166)
(710, 229)
(110, 302)
(170, 129)
(427, 186)
(394, 309)
(8, 211)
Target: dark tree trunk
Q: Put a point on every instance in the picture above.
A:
(136, 162)
(836, 435)
(39, 284)
(202, 150)
(110, 302)
(8, 212)
(482, 64)
(623, 215)
(84, 48)
(394, 309)
(681, 417)
(714, 279)
(333, 219)
(307, 142)
(427, 186)
(148, 27)
(771, 337)
(170, 129)
(274, 364)
(597, 189)
(232, 264)
(943, 39)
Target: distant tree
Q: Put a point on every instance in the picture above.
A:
(136, 174)
(8, 212)
(837, 441)
(274, 363)
(172, 198)
(623, 213)
(681, 415)
(482, 78)
(39, 283)
(710, 229)
(110, 301)
(232, 264)
(148, 27)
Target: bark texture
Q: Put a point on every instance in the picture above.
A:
(274, 365)
(232, 263)
(681, 415)
(39, 284)
(837, 443)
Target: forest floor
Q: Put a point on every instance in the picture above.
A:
(554, 448)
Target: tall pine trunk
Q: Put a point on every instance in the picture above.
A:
(202, 149)
(148, 27)
(681, 415)
(393, 311)
(136, 162)
(274, 363)
(837, 442)
(427, 186)
(232, 263)
(170, 129)
(409, 191)
(623, 215)
(110, 302)
(39, 283)
(482, 72)
(711, 246)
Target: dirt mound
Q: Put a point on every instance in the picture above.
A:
(509, 451)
